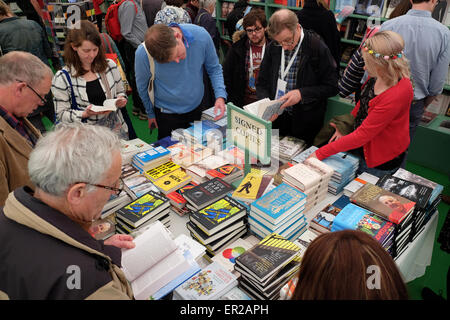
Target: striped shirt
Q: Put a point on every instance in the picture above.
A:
(62, 94)
(353, 74)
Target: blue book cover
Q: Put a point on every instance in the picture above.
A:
(199, 130)
(356, 218)
(278, 202)
(341, 165)
(150, 155)
(165, 142)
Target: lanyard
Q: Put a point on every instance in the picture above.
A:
(250, 71)
(284, 72)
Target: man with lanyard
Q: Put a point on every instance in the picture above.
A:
(180, 54)
(299, 69)
(241, 66)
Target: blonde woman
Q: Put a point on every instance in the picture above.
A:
(381, 129)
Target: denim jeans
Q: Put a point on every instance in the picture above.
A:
(374, 171)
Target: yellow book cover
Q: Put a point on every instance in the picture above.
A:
(161, 170)
(172, 181)
(249, 186)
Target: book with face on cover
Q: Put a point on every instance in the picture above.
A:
(390, 206)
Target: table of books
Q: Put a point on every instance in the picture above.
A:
(224, 222)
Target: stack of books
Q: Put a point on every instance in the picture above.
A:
(137, 215)
(288, 147)
(151, 158)
(322, 222)
(206, 132)
(138, 185)
(267, 266)
(115, 202)
(218, 224)
(393, 207)
(279, 211)
(358, 182)
(418, 193)
(177, 200)
(345, 166)
(354, 217)
(189, 154)
(131, 147)
(206, 193)
(199, 171)
(312, 177)
(227, 172)
(211, 283)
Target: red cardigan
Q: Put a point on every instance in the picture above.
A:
(384, 134)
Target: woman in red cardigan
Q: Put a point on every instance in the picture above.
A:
(381, 126)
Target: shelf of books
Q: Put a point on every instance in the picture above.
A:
(186, 200)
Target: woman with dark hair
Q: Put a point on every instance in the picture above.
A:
(348, 265)
(87, 80)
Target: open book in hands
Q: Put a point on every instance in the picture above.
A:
(265, 108)
(154, 262)
(108, 105)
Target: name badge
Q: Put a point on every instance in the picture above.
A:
(281, 88)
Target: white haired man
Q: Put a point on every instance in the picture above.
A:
(24, 82)
(47, 252)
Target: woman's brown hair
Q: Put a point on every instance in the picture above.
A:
(339, 266)
(84, 31)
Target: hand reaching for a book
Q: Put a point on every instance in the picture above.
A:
(291, 98)
(121, 241)
(337, 135)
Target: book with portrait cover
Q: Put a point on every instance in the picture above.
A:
(411, 190)
(218, 215)
(142, 209)
(387, 204)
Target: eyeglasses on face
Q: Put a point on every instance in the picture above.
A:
(255, 30)
(115, 189)
(287, 43)
(44, 101)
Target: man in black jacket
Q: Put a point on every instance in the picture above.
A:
(241, 66)
(299, 69)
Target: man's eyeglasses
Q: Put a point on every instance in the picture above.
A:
(116, 190)
(287, 43)
(250, 31)
(44, 101)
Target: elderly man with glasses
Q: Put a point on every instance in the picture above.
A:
(47, 251)
(24, 81)
(299, 69)
(241, 66)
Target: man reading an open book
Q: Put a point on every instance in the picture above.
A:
(299, 69)
(47, 251)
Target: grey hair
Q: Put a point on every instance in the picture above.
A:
(72, 152)
(23, 66)
(205, 3)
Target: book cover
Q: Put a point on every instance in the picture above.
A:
(209, 284)
(177, 198)
(206, 239)
(227, 256)
(218, 215)
(225, 171)
(409, 176)
(302, 176)
(249, 187)
(356, 218)
(279, 202)
(207, 192)
(389, 205)
(193, 154)
(267, 257)
(323, 221)
(143, 208)
(161, 170)
(172, 181)
(416, 192)
(151, 154)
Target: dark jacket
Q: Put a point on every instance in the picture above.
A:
(316, 79)
(234, 70)
(322, 21)
(205, 20)
(24, 35)
(44, 254)
(235, 15)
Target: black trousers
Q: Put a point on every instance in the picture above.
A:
(127, 51)
(300, 123)
(167, 122)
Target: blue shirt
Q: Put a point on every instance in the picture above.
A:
(427, 47)
(179, 86)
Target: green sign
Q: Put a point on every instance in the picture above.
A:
(249, 132)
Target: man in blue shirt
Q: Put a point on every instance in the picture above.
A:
(180, 53)
(427, 47)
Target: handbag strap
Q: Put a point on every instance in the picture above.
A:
(73, 105)
(151, 88)
(106, 85)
